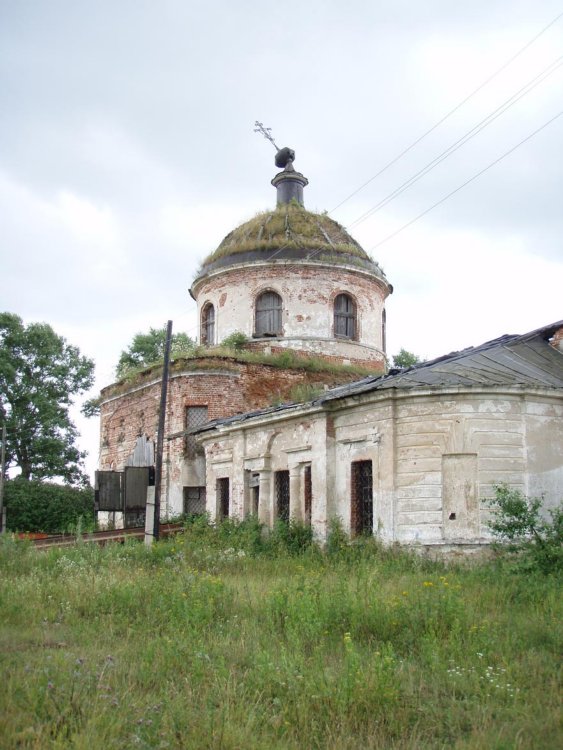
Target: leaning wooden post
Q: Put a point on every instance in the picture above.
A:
(160, 437)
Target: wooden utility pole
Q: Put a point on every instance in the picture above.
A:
(160, 437)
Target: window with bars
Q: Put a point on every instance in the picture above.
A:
(362, 498)
(281, 485)
(344, 317)
(208, 324)
(308, 494)
(195, 417)
(222, 488)
(194, 501)
(268, 318)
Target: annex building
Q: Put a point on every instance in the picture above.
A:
(411, 456)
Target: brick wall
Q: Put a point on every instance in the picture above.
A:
(226, 386)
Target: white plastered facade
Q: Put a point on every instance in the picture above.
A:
(435, 458)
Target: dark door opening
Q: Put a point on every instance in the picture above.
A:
(307, 494)
(223, 496)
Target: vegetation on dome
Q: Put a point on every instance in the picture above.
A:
(288, 226)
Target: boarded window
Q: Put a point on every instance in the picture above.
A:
(222, 488)
(362, 498)
(194, 501)
(281, 484)
(344, 317)
(308, 494)
(460, 501)
(268, 315)
(196, 416)
(208, 325)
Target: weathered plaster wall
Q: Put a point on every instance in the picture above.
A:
(308, 292)
(435, 459)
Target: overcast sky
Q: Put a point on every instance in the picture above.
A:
(128, 152)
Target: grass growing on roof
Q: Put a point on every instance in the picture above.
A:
(225, 359)
(288, 226)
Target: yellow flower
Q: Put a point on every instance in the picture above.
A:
(427, 583)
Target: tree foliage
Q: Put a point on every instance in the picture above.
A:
(39, 375)
(405, 359)
(148, 349)
(44, 506)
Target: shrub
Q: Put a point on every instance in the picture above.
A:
(534, 542)
(237, 341)
(46, 507)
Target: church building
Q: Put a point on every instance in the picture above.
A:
(309, 304)
(298, 417)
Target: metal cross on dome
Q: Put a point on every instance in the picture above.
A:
(259, 128)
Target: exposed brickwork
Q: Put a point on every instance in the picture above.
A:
(229, 388)
(557, 339)
(377, 364)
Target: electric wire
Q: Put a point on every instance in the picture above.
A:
(449, 114)
(504, 107)
(467, 182)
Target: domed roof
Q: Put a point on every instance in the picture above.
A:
(289, 232)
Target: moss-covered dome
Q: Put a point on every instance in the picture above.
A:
(289, 232)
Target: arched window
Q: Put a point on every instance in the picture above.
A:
(344, 317)
(268, 319)
(208, 324)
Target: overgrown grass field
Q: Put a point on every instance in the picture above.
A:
(221, 638)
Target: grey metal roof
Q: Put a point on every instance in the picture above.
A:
(512, 360)
(526, 360)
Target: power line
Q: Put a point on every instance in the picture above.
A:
(495, 114)
(449, 114)
(471, 179)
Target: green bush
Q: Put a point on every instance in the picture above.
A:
(532, 541)
(237, 341)
(46, 507)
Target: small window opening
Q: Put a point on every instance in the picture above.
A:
(282, 494)
(194, 501)
(268, 321)
(208, 325)
(196, 416)
(308, 494)
(344, 317)
(362, 498)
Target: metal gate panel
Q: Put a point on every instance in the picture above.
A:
(108, 490)
(135, 483)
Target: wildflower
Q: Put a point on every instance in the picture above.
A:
(427, 583)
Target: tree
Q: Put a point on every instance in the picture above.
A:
(405, 359)
(39, 375)
(148, 349)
